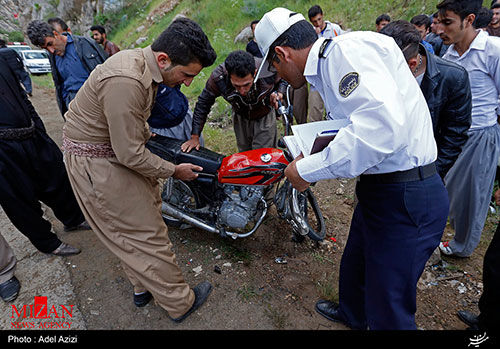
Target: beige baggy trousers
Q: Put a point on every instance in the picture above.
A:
(7, 261)
(255, 134)
(124, 210)
(316, 106)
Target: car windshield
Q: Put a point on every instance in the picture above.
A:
(35, 55)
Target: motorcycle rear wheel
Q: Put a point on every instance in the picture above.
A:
(174, 188)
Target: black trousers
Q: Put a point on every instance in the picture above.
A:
(489, 303)
(31, 171)
(394, 230)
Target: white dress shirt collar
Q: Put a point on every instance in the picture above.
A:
(479, 43)
(311, 68)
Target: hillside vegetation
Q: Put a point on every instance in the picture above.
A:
(223, 20)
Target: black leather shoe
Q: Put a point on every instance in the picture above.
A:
(65, 250)
(468, 318)
(10, 289)
(140, 300)
(330, 310)
(201, 292)
(82, 226)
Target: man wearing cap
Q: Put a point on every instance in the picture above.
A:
(389, 144)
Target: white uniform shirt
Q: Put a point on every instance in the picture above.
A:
(365, 78)
(482, 62)
(331, 30)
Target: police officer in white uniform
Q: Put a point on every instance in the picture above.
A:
(389, 143)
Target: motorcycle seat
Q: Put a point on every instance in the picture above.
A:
(170, 149)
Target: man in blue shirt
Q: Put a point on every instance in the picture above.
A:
(71, 69)
(72, 58)
(423, 25)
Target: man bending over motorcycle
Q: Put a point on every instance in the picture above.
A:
(252, 101)
(114, 176)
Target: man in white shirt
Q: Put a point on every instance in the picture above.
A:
(470, 180)
(328, 30)
(389, 143)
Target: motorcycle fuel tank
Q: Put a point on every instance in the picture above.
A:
(254, 167)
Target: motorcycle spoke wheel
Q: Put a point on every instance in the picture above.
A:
(177, 194)
(311, 214)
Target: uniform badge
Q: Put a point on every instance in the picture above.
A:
(348, 84)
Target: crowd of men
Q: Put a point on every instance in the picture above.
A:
(424, 145)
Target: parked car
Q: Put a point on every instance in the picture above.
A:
(36, 61)
(18, 46)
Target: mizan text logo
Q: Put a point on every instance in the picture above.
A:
(58, 316)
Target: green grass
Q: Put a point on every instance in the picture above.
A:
(327, 289)
(247, 293)
(277, 316)
(44, 80)
(235, 254)
(321, 258)
(220, 140)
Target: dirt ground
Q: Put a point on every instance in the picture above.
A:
(253, 291)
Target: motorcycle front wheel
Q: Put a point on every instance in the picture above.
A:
(307, 216)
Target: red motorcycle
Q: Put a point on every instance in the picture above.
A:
(229, 197)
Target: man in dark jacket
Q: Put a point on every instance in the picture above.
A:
(446, 88)
(32, 170)
(72, 59)
(434, 39)
(16, 63)
(99, 35)
(253, 102)
(252, 47)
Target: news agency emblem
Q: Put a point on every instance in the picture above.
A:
(348, 84)
(477, 340)
(56, 316)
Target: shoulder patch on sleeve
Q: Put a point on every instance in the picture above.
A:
(348, 84)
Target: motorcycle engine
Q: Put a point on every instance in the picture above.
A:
(239, 206)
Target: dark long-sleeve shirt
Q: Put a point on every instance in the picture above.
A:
(253, 106)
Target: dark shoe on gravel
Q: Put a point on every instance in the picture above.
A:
(140, 300)
(329, 310)
(201, 292)
(82, 226)
(65, 250)
(10, 289)
(468, 318)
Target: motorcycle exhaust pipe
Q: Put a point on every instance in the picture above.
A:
(172, 211)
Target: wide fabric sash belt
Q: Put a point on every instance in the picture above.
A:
(90, 150)
(415, 174)
(17, 134)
